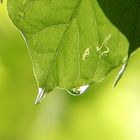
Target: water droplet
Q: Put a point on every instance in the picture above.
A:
(78, 90)
(120, 74)
(41, 95)
(24, 2)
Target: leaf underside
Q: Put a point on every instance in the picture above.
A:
(76, 42)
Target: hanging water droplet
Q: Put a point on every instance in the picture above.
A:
(41, 95)
(78, 90)
(24, 2)
(120, 74)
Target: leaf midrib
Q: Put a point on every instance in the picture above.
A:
(59, 46)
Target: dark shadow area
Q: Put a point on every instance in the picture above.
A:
(125, 15)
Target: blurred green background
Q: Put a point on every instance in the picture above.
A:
(103, 113)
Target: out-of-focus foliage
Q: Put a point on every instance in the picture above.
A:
(102, 113)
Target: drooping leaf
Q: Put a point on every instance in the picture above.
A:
(73, 43)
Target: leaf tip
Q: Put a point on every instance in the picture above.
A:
(40, 96)
(120, 74)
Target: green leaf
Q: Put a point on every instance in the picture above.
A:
(125, 15)
(73, 43)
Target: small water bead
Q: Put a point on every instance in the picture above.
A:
(78, 90)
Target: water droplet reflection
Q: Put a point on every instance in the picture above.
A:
(78, 90)
(120, 74)
(41, 95)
